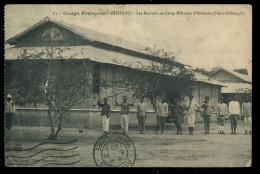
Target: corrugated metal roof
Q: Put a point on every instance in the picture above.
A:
(88, 34)
(101, 55)
(108, 57)
(202, 78)
(241, 76)
(93, 36)
(88, 52)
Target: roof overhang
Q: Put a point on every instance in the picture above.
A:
(105, 57)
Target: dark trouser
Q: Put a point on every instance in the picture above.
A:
(141, 122)
(207, 119)
(178, 123)
(221, 120)
(9, 120)
(233, 121)
(160, 123)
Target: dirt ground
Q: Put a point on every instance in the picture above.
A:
(152, 150)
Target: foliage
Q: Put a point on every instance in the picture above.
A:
(241, 71)
(240, 97)
(164, 78)
(49, 77)
(203, 71)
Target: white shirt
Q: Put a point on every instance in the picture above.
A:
(192, 106)
(234, 107)
(162, 109)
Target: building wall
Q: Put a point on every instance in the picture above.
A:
(224, 76)
(84, 118)
(88, 113)
(81, 118)
(111, 74)
(200, 91)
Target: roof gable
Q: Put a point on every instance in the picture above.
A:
(84, 33)
(230, 76)
(47, 33)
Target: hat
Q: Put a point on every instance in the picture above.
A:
(9, 96)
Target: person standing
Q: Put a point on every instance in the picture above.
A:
(178, 110)
(221, 115)
(141, 115)
(9, 112)
(191, 107)
(234, 112)
(162, 112)
(125, 107)
(208, 108)
(246, 112)
(105, 112)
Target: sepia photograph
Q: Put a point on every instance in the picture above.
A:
(128, 85)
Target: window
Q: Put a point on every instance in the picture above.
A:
(96, 78)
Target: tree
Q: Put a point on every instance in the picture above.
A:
(157, 79)
(51, 78)
(241, 71)
(214, 70)
(202, 71)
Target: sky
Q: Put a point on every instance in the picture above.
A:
(204, 41)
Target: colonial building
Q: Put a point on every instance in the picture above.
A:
(235, 83)
(113, 57)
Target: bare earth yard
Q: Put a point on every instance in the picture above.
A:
(152, 150)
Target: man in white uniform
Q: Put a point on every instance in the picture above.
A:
(125, 107)
(191, 107)
(234, 111)
(105, 114)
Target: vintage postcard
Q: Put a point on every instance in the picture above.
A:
(128, 85)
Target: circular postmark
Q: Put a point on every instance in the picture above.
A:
(114, 150)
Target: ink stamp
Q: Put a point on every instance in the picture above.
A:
(114, 150)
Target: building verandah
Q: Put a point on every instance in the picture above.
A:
(113, 58)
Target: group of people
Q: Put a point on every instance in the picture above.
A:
(234, 112)
(222, 111)
(125, 108)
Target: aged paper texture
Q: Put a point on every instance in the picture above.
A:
(128, 85)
